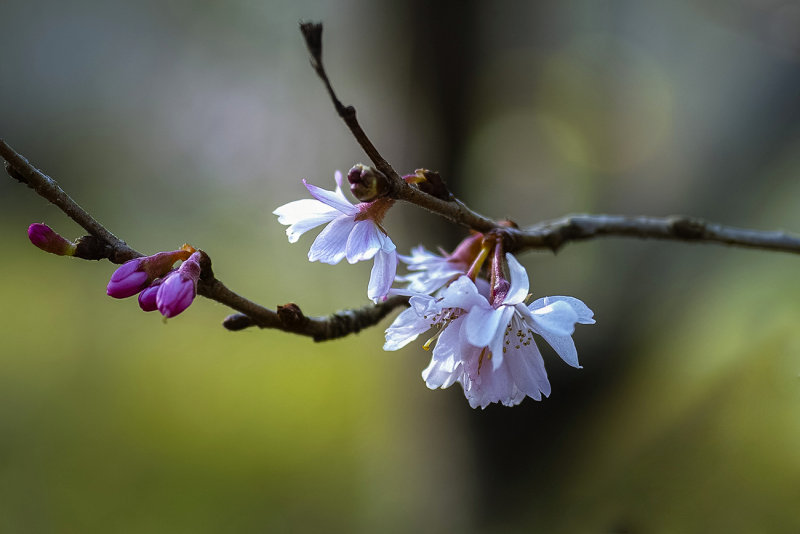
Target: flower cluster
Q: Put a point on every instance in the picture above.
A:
(484, 338)
(160, 286)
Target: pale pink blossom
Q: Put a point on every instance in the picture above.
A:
(353, 232)
(489, 349)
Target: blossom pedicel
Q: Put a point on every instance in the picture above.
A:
(353, 232)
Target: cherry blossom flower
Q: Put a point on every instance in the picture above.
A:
(432, 271)
(353, 232)
(489, 349)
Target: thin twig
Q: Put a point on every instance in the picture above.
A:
(555, 234)
(288, 318)
(551, 234)
(21, 169)
(336, 325)
(399, 189)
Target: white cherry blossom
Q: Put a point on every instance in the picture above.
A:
(352, 232)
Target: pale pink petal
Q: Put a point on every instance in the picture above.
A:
(557, 319)
(332, 199)
(527, 368)
(585, 315)
(518, 291)
(363, 242)
(496, 346)
(303, 215)
(463, 294)
(483, 324)
(441, 373)
(330, 245)
(564, 347)
(382, 275)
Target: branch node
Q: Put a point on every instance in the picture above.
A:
(15, 174)
(687, 227)
(89, 247)
(291, 316)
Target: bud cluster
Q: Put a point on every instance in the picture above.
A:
(160, 286)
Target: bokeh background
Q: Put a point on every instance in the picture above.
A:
(177, 121)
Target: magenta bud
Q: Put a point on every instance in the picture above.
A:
(147, 298)
(367, 183)
(135, 275)
(179, 287)
(128, 280)
(46, 239)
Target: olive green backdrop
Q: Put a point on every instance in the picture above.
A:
(180, 121)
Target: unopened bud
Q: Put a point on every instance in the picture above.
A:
(367, 183)
(46, 239)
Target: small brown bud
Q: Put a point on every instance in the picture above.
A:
(367, 183)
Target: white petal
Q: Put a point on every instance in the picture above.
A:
(585, 315)
(441, 373)
(363, 242)
(527, 368)
(334, 199)
(338, 177)
(557, 319)
(518, 291)
(463, 294)
(496, 346)
(483, 324)
(450, 342)
(330, 245)
(382, 275)
(386, 242)
(564, 346)
(303, 215)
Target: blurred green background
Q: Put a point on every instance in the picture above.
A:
(177, 121)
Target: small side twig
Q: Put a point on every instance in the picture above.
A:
(333, 326)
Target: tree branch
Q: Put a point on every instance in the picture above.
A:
(550, 234)
(102, 244)
(105, 245)
(453, 210)
(555, 234)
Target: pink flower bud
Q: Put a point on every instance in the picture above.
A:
(128, 279)
(179, 287)
(138, 273)
(46, 239)
(147, 298)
